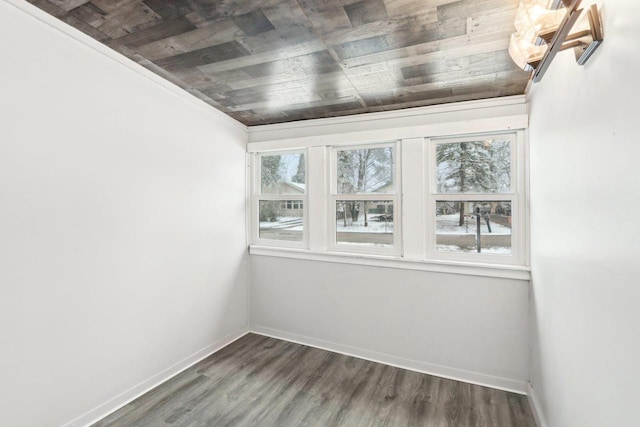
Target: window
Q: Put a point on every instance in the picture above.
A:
(363, 199)
(474, 198)
(292, 205)
(279, 198)
(458, 200)
(479, 226)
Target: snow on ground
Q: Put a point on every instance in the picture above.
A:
(295, 224)
(374, 225)
(445, 224)
(283, 222)
(448, 224)
(498, 250)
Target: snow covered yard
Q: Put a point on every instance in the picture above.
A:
(451, 237)
(375, 225)
(448, 224)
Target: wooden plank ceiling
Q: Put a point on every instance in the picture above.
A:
(271, 61)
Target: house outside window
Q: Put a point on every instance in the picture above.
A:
(279, 199)
(454, 200)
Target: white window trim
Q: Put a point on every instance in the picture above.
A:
(396, 248)
(516, 197)
(257, 196)
(421, 250)
(413, 128)
(451, 267)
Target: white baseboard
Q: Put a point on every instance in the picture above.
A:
(138, 390)
(536, 409)
(511, 385)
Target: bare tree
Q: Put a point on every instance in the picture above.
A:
(363, 171)
(270, 176)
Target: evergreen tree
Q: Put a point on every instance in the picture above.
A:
(473, 167)
(299, 177)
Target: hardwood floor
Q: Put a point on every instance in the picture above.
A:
(261, 381)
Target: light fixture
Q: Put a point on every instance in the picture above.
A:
(543, 28)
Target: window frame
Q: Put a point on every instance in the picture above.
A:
(257, 196)
(516, 197)
(333, 197)
(413, 248)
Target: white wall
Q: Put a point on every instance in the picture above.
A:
(472, 328)
(115, 195)
(585, 212)
(463, 326)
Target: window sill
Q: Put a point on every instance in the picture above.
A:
(450, 267)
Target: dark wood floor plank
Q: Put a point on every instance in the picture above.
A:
(385, 399)
(520, 412)
(262, 381)
(499, 409)
(293, 391)
(263, 392)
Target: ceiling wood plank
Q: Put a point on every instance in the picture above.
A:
(270, 61)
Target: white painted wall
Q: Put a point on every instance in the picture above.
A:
(467, 327)
(585, 214)
(463, 326)
(115, 195)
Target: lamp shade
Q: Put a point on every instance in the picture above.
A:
(523, 52)
(534, 17)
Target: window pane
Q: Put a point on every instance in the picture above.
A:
(364, 222)
(474, 167)
(367, 170)
(282, 174)
(278, 223)
(456, 227)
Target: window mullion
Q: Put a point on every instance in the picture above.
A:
(412, 203)
(317, 189)
(474, 196)
(281, 197)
